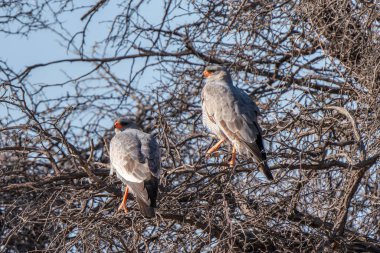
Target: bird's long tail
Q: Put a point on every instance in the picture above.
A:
(263, 166)
(146, 210)
(258, 154)
(146, 195)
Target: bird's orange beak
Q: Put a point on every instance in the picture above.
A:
(117, 125)
(206, 74)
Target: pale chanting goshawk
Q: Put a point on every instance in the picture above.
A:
(230, 114)
(135, 156)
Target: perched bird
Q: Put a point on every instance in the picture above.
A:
(135, 156)
(231, 115)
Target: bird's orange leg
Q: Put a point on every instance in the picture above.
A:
(215, 147)
(233, 158)
(123, 204)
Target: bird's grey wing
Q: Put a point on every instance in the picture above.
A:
(127, 158)
(247, 101)
(248, 111)
(151, 151)
(147, 191)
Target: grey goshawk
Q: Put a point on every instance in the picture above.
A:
(231, 115)
(135, 156)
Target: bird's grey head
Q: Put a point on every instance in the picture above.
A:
(124, 123)
(217, 72)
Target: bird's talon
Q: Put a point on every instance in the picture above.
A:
(122, 206)
(212, 154)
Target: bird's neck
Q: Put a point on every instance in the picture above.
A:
(225, 79)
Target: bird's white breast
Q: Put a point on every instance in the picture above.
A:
(213, 128)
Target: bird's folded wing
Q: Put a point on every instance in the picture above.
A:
(127, 158)
(151, 151)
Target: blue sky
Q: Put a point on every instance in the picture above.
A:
(45, 45)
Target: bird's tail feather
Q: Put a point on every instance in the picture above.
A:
(259, 156)
(145, 209)
(146, 195)
(263, 166)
